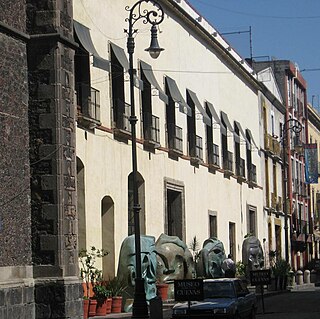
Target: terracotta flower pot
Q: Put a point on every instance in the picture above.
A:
(109, 304)
(116, 304)
(101, 308)
(162, 291)
(92, 307)
(85, 308)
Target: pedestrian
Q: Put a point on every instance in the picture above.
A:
(229, 267)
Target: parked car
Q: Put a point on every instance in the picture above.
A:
(223, 298)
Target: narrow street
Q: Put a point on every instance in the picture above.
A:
(293, 305)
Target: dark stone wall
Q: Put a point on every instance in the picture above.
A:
(17, 302)
(13, 14)
(15, 222)
(58, 293)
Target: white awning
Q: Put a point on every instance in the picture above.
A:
(205, 118)
(177, 97)
(83, 34)
(147, 71)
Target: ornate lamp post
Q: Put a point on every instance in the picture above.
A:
(296, 127)
(154, 17)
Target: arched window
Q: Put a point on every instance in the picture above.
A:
(141, 194)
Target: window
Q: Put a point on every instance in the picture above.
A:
(121, 110)
(232, 240)
(213, 157)
(174, 132)
(141, 199)
(151, 123)
(213, 227)
(191, 124)
(227, 157)
(174, 217)
(252, 220)
(275, 190)
(249, 155)
(88, 98)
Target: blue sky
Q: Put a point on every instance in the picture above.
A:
(284, 29)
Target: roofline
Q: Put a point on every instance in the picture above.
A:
(214, 39)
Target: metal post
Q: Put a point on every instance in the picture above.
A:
(154, 17)
(295, 127)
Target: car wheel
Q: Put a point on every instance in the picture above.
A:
(237, 316)
(253, 313)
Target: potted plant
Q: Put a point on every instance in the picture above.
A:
(90, 274)
(162, 290)
(281, 271)
(116, 286)
(194, 246)
(101, 294)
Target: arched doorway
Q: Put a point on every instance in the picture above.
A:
(107, 231)
(141, 193)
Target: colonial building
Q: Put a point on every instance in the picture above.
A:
(314, 192)
(198, 132)
(293, 90)
(271, 124)
(207, 131)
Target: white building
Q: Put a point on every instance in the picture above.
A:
(272, 121)
(198, 131)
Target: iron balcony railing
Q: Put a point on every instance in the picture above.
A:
(199, 148)
(214, 157)
(88, 101)
(122, 111)
(228, 161)
(151, 126)
(240, 167)
(175, 137)
(252, 173)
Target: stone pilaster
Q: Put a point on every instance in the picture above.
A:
(52, 149)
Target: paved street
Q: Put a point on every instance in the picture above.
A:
(293, 305)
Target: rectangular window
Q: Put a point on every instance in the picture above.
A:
(191, 123)
(213, 227)
(232, 240)
(252, 220)
(175, 215)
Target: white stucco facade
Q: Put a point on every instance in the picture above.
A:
(196, 62)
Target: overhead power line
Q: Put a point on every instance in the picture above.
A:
(257, 15)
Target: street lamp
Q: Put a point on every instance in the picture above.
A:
(154, 17)
(296, 127)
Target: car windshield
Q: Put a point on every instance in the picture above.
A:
(218, 290)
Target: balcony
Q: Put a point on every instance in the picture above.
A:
(88, 105)
(122, 112)
(214, 157)
(240, 169)
(198, 158)
(151, 129)
(228, 163)
(175, 139)
(272, 146)
(279, 207)
(273, 201)
(252, 175)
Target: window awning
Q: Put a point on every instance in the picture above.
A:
(83, 34)
(213, 113)
(147, 71)
(122, 58)
(120, 55)
(177, 97)
(241, 131)
(225, 118)
(253, 141)
(205, 118)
